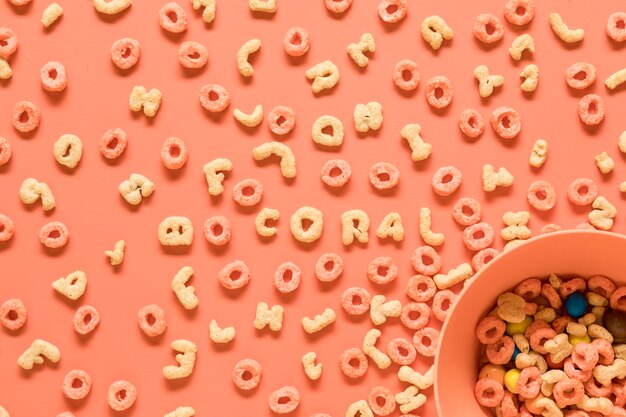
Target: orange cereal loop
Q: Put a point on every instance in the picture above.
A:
(54, 235)
(86, 319)
(421, 288)
(76, 384)
(601, 285)
(401, 351)
(234, 275)
(53, 77)
(478, 236)
(549, 292)
(192, 55)
(573, 372)
(336, 173)
(580, 75)
(284, 400)
(426, 260)
(488, 393)
(591, 387)
(217, 230)
(384, 176)
(26, 116)
(382, 270)
(7, 228)
(501, 352)
(541, 195)
(152, 320)
(248, 192)
(113, 143)
(6, 151)
(8, 42)
(439, 92)
(606, 354)
(426, 341)
(483, 257)
(529, 289)
(591, 109)
(539, 338)
(415, 316)
(125, 53)
(296, 42)
(214, 98)
(121, 395)
(356, 301)
(172, 18)
(382, 401)
(281, 120)
(488, 28)
(585, 356)
(529, 382)
(582, 191)
(442, 303)
(13, 314)
(174, 153)
(618, 299)
(406, 75)
(247, 374)
(616, 26)
(446, 180)
(471, 123)
(338, 6)
(519, 12)
(506, 122)
(392, 11)
(490, 330)
(571, 286)
(328, 267)
(287, 277)
(353, 363)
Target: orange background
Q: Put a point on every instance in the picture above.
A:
(89, 204)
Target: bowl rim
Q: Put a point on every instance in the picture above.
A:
(478, 274)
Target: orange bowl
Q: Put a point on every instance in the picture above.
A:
(579, 252)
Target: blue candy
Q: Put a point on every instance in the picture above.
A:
(576, 305)
(516, 352)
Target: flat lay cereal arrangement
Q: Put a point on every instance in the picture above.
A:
(269, 206)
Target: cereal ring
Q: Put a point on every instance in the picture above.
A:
(125, 53)
(585, 356)
(580, 75)
(606, 355)
(582, 191)
(234, 275)
(381, 400)
(6, 151)
(426, 260)
(328, 267)
(591, 109)
(356, 301)
(541, 195)
(439, 91)
(382, 270)
(214, 98)
(338, 6)
(8, 42)
(284, 400)
(193, 55)
(13, 314)
(490, 330)
(26, 116)
(247, 374)
(593, 388)
(248, 192)
(483, 257)
(113, 143)
(217, 230)
(466, 211)
(172, 18)
(618, 299)
(86, 319)
(570, 369)
(519, 12)
(601, 285)
(488, 28)
(529, 382)
(616, 27)
(76, 384)
(54, 235)
(506, 122)
(68, 150)
(478, 236)
(571, 286)
(529, 289)
(421, 288)
(353, 363)
(442, 303)
(53, 77)
(539, 338)
(401, 351)
(7, 228)
(152, 320)
(426, 341)
(121, 395)
(281, 120)
(534, 326)
(296, 41)
(336, 173)
(287, 277)
(501, 352)
(406, 75)
(415, 316)
(471, 123)
(446, 180)
(488, 392)
(392, 11)
(384, 175)
(174, 153)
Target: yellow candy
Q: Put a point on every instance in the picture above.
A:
(574, 340)
(510, 380)
(517, 328)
